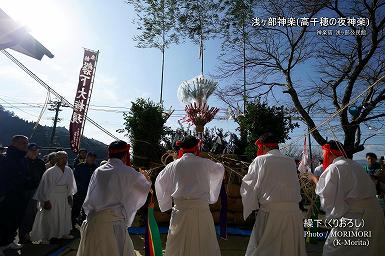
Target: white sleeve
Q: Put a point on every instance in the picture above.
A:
(163, 188)
(45, 187)
(137, 196)
(91, 186)
(216, 172)
(330, 192)
(72, 188)
(250, 187)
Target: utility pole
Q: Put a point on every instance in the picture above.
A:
(55, 106)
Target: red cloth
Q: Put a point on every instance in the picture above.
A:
(328, 153)
(260, 144)
(122, 150)
(195, 150)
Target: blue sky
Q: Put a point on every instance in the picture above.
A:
(123, 73)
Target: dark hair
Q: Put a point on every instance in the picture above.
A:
(116, 145)
(269, 138)
(320, 161)
(372, 155)
(189, 141)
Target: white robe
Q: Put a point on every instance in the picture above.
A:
(193, 183)
(347, 193)
(115, 194)
(272, 186)
(55, 186)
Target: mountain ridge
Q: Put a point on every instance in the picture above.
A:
(11, 124)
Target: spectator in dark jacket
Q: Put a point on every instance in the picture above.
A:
(12, 192)
(36, 168)
(81, 158)
(82, 173)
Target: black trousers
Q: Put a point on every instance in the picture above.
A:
(77, 214)
(12, 207)
(29, 216)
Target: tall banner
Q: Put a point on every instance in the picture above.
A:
(82, 98)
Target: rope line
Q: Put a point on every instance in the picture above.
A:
(47, 99)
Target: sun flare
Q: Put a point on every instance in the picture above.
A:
(44, 19)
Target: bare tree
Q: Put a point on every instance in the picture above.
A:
(338, 68)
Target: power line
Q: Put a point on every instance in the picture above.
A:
(315, 118)
(25, 112)
(50, 90)
(13, 59)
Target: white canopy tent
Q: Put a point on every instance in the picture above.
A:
(15, 37)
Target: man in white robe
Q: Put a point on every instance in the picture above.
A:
(54, 195)
(348, 195)
(192, 183)
(271, 186)
(115, 193)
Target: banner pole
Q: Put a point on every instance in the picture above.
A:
(83, 97)
(89, 96)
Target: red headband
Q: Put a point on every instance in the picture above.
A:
(259, 143)
(126, 149)
(328, 154)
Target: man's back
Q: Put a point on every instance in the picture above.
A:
(105, 187)
(192, 177)
(342, 181)
(277, 178)
(354, 182)
(271, 185)
(118, 187)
